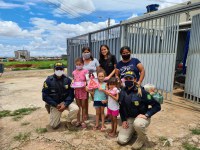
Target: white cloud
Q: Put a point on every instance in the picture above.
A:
(169, 3)
(72, 8)
(47, 37)
(133, 16)
(4, 5)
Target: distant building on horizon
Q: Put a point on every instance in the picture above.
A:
(22, 54)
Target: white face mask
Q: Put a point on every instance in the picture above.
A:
(59, 73)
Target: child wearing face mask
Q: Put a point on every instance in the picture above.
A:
(100, 99)
(81, 94)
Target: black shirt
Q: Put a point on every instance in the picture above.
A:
(108, 64)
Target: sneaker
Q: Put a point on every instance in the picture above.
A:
(138, 144)
(47, 106)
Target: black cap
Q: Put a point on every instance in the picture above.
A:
(130, 73)
(58, 65)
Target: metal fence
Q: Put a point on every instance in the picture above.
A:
(154, 43)
(192, 84)
(153, 39)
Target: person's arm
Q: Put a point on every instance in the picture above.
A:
(122, 107)
(149, 100)
(114, 61)
(142, 73)
(115, 97)
(46, 93)
(70, 94)
(97, 64)
(112, 73)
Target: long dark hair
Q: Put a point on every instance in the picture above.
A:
(87, 48)
(102, 56)
(123, 48)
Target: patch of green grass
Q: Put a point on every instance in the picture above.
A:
(22, 136)
(16, 69)
(23, 111)
(42, 64)
(4, 113)
(188, 146)
(17, 118)
(41, 130)
(17, 114)
(162, 138)
(25, 123)
(195, 131)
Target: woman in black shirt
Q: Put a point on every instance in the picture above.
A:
(107, 61)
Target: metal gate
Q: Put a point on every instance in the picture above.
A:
(154, 43)
(109, 36)
(192, 83)
(153, 39)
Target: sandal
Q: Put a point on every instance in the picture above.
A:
(103, 129)
(112, 135)
(83, 125)
(78, 124)
(95, 128)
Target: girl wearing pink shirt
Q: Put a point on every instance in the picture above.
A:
(81, 95)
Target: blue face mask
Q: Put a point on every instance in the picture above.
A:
(129, 83)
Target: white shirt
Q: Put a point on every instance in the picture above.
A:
(113, 104)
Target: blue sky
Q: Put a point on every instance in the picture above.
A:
(42, 26)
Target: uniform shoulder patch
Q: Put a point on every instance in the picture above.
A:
(45, 85)
(149, 97)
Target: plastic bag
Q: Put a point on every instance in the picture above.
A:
(158, 97)
(149, 87)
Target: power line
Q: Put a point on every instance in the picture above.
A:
(65, 11)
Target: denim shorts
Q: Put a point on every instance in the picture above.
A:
(99, 104)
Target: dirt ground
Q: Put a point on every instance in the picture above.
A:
(169, 128)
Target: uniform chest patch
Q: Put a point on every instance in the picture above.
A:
(66, 86)
(149, 97)
(136, 103)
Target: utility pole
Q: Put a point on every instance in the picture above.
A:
(108, 29)
(108, 22)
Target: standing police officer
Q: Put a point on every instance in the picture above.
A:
(135, 112)
(58, 94)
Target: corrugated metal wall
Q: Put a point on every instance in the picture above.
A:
(192, 84)
(154, 43)
(153, 39)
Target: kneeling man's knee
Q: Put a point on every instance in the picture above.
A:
(122, 140)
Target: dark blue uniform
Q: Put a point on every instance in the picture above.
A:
(131, 104)
(56, 90)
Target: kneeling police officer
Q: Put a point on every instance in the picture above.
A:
(135, 112)
(58, 94)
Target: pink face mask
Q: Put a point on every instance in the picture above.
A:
(79, 67)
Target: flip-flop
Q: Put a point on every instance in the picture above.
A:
(83, 125)
(78, 124)
(112, 136)
(103, 129)
(95, 128)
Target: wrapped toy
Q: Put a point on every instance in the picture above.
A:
(92, 83)
(78, 84)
